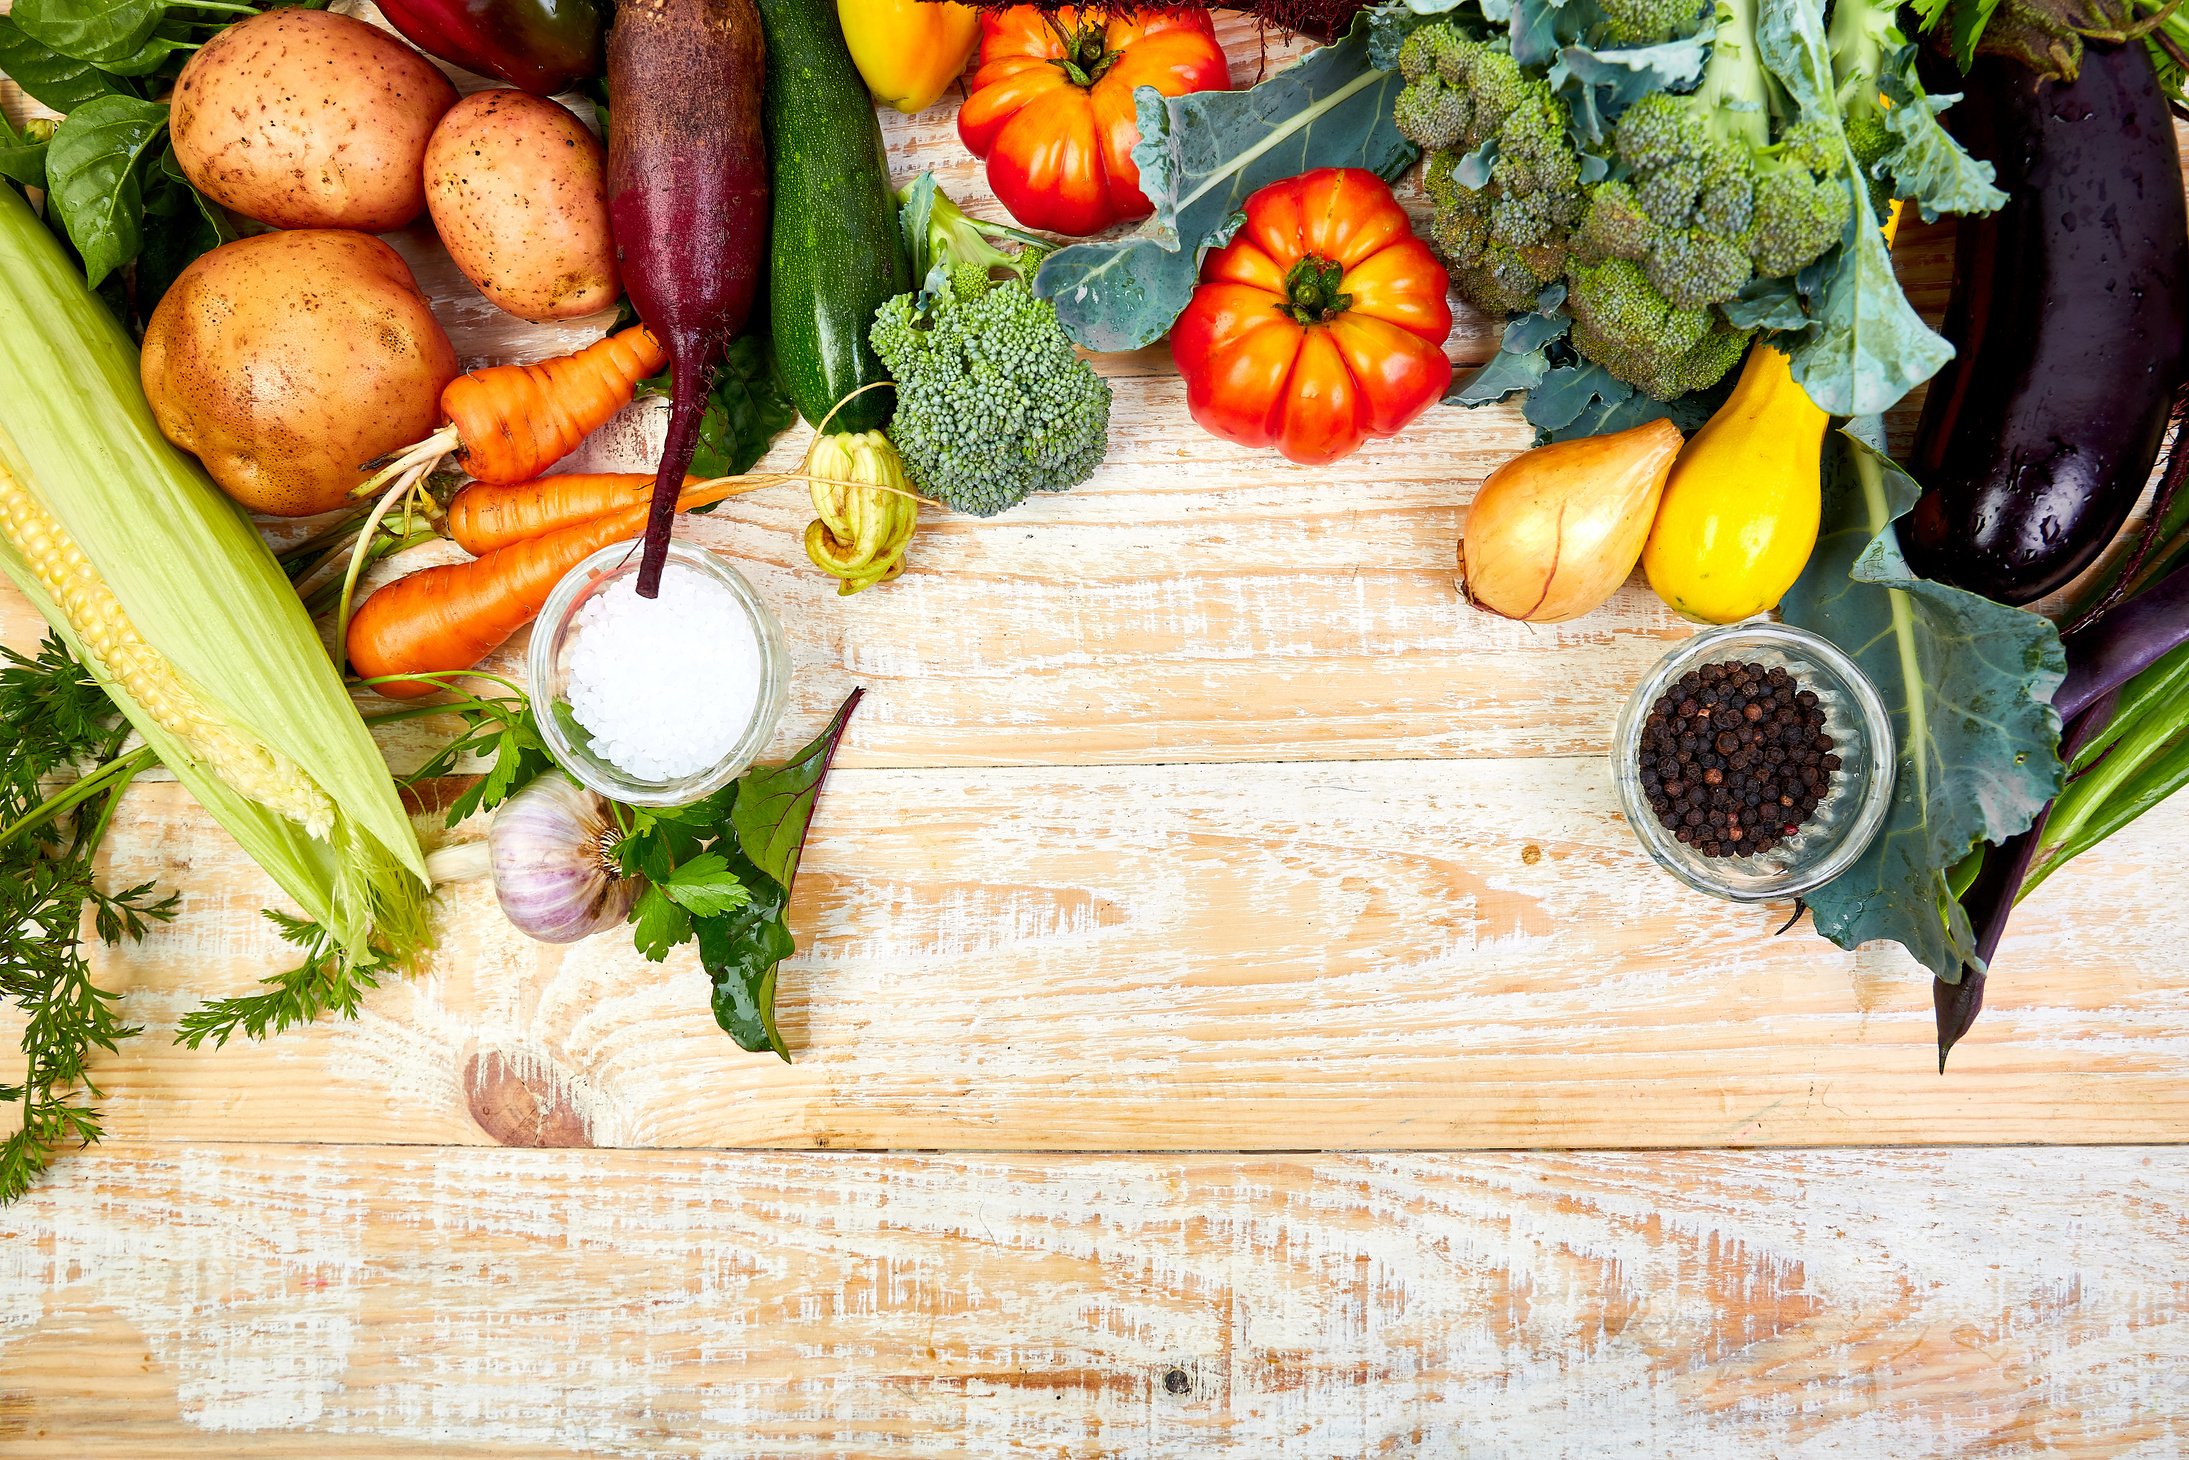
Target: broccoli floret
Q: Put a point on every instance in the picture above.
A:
(1468, 99)
(1708, 198)
(1624, 323)
(992, 401)
(1651, 22)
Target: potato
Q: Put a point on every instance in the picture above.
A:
(287, 360)
(308, 119)
(518, 190)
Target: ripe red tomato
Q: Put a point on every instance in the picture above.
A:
(1051, 105)
(1320, 324)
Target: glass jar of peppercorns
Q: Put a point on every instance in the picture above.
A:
(1755, 761)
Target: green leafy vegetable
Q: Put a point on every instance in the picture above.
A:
(49, 78)
(1200, 156)
(1866, 346)
(775, 805)
(23, 156)
(94, 171)
(1968, 682)
(107, 33)
(719, 871)
(746, 409)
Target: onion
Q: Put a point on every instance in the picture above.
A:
(1555, 531)
(552, 850)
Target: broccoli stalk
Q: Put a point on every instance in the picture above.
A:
(939, 231)
(1864, 35)
(993, 403)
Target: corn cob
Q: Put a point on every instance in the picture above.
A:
(166, 592)
(119, 653)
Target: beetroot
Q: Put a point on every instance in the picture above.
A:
(687, 202)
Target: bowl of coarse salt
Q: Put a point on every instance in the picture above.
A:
(661, 701)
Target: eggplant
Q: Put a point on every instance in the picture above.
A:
(2068, 316)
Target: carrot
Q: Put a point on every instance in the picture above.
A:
(508, 423)
(446, 619)
(485, 516)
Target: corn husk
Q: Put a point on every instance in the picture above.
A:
(192, 577)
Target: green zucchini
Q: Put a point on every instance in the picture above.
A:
(835, 252)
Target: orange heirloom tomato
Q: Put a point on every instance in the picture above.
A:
(1320, 324)
(1051, 105)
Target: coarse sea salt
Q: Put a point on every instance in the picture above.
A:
(665, 686)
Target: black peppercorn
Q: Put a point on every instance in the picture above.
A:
(1728, 743)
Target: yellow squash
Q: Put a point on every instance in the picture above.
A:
(1740, 510)
(908, 51)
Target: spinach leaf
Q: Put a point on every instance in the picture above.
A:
(92, 171)
(22, 159)
(775, 806)
(1199, 156)
(181, 224)
(1865, 347)
(742, 952)
(746, 407)
(50, 78)
(107, 33)
(1969, 684)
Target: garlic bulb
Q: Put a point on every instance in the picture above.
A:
(552, 850)
(1555, 531)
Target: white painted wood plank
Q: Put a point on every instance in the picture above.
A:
(243, 1300)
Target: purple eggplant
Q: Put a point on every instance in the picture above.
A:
(2068, 316)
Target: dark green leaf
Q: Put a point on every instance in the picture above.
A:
(775, 804)
(1866, 347)
(103, 32)
(1200, 155)
(746, 409)
(93, 170)
(742, 953)
(705, 887)
(1968, 682)
(22, 160)
(1926, 165)
(49, 78)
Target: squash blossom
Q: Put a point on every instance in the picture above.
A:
(162, 587)
(867, 509)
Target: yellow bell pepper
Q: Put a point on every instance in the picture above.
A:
(909, 51)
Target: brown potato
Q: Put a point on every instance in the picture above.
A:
(308, 119)
(287, 360)
(518, 191)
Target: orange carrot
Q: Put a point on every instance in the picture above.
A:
(485, 516)
(446, 619)
(515, 421)
(509, 423)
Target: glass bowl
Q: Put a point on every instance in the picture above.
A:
(1844, 823)
(547, 678)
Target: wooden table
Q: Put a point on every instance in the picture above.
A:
(1232, 1019)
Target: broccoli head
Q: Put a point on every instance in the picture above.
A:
(1706, 198)
(1504, 233)
(1624, 323)
(1651, 22)
(992, 401)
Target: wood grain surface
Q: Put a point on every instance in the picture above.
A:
(1188, 812)
(253, 1300)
